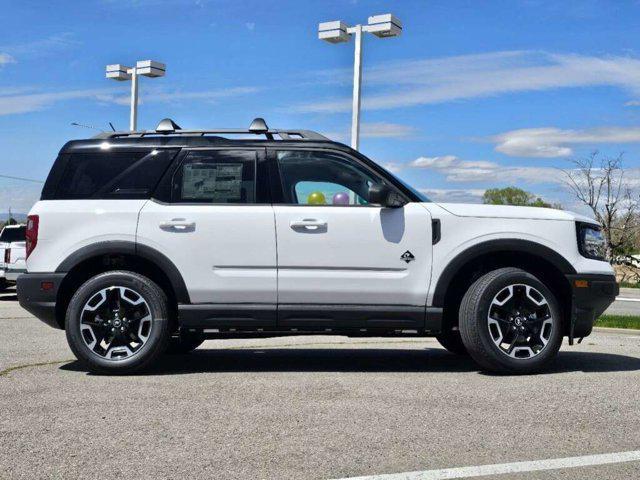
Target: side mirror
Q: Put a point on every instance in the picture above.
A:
(382, 195)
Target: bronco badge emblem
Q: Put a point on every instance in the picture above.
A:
(407, 256)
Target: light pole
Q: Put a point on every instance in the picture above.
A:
(381, 26)
(119, 72)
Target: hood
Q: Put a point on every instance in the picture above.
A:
(508, 211)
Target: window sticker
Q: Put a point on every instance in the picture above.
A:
(212, 181)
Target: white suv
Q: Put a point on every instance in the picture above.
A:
(157, 240)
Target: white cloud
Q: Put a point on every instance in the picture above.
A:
(206, 95)
(30, 102)
(393, 167)
(473, 195)
(5, 59)
(420, 82)
(552, 142)
(456, 170)
(386, 130)
(375, 130)
(43, 46)
(448, 161)
(14, 101)
(250, 26)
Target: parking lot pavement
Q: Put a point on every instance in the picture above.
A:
(627, 303)
(307, 408)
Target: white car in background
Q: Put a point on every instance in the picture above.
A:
(15, 261)
(12, 254)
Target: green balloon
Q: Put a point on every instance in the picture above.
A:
(316, 198)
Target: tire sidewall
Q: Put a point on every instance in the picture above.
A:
(158, 337)
(555, 340)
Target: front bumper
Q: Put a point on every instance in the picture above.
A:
(591, 296)
(12, 275)
(37, 293)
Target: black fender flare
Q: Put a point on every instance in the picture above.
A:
(123, 247)
(496, 246)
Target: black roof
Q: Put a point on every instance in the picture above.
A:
(169, 134)
(187, 141)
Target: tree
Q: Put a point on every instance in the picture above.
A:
(600, 184)
(514, 196)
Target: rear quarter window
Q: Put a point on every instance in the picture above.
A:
(112, 174)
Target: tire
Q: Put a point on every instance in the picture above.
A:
(185, 342)
(452, 342)
(138, 340)
(516, 300)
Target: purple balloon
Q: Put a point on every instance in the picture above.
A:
(341, 198)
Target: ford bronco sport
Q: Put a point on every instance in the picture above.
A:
(149, 241)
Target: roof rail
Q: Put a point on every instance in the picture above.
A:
(258, 127)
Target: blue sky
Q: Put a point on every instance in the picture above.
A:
(473, 95)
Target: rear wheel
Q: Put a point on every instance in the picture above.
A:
(118, 322)
(511, 322)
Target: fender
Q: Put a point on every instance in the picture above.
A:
(495, 246)
(130, 248)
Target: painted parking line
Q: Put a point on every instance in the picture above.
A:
(516, 467)
(624, 299)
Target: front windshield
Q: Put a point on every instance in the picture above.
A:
(417, 193)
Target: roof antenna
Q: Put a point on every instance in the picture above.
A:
(112, 127)
(76, 124)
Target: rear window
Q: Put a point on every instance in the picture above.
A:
(16, 234)
(113, 175)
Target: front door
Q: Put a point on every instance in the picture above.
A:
(341, 260)
(219, 231)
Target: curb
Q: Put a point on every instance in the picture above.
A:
(621, 331)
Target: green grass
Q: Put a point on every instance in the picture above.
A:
(629, 285)
(618, 321)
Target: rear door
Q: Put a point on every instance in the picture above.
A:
(218, 229)
(341, 261)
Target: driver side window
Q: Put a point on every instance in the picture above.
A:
(323, 178)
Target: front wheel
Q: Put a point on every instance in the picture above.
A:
(510, 322)
(118, 322)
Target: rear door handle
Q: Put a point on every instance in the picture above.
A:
(178, 224)
(308, 224)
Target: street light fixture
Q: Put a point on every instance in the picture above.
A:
(381, 26)
(147, 68)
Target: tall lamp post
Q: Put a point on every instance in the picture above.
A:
(147, 68)
(381, 26)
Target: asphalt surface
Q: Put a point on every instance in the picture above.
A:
(308, 408)
(627, 303)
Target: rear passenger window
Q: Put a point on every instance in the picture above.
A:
(140, 180)
(113, 175)
(216, 176)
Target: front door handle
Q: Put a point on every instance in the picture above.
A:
(179, 224)
(308, 224)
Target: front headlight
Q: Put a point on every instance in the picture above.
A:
(590, 241)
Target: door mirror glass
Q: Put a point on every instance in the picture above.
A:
(384, 196)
